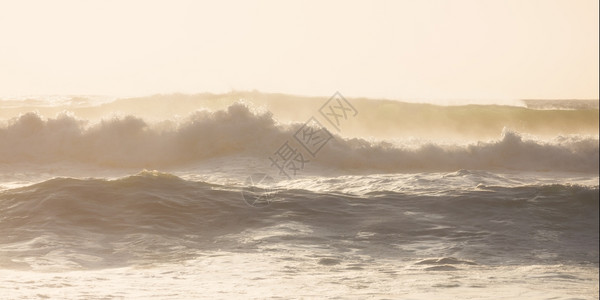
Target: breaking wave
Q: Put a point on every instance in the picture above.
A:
(129, 141)
(152, 216)
(377, 117)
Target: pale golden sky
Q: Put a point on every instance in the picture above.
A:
(502, 49)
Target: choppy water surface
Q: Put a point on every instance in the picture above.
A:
(515, 216)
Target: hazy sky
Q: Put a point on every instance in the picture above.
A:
(397, 49)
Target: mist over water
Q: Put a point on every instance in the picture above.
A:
(470, 137)
(457, 199)
(377, 118)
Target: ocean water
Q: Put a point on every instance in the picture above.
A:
(278, 196)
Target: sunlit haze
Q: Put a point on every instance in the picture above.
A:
(396, 49)
(299, 149)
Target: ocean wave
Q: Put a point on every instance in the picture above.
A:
(129, 141)
(376, 117)
(98, 223)
(155, 216)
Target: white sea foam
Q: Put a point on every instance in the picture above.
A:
(129, 141)
(410, 200)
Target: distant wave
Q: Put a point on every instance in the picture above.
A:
(376, 117)
(129, 141)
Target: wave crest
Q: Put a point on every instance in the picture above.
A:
(157, 216)
(129, 141)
